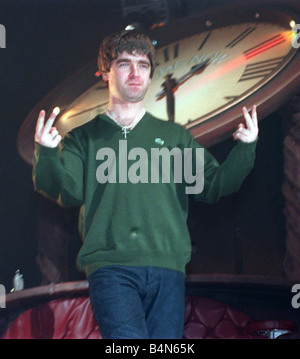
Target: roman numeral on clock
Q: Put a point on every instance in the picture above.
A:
(204, 41)
(264, 46)
(260, 69)
(231, 98)
(240, 37)
(173, 54)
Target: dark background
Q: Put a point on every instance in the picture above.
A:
(46, 42)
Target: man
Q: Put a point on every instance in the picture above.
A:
(136, 241)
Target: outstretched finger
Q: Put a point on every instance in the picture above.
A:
(249, 121)
(49, 123)
(40, 124)
(254, 115)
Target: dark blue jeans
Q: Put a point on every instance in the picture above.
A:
(138, 302)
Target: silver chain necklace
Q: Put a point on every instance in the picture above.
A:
(125, 129)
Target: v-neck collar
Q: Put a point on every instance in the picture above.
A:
(129, 131)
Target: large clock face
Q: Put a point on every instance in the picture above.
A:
(242, 58)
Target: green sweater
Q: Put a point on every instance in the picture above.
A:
(134, 224)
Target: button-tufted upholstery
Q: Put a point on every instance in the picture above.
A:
(206, 318)
(73, 319)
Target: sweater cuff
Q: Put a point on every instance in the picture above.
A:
(45, 151)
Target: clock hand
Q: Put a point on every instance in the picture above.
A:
(193, 71)
(197, 69)
(169, 91)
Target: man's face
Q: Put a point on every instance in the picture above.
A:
(129, 77)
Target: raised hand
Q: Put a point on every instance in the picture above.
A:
(45, 134)
(249, 132)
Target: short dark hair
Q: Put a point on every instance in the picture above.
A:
(126, 40)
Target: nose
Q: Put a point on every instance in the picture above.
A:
(134, 71)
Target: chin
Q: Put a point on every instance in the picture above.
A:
(134, 98)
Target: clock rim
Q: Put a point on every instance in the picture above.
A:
(219, 17)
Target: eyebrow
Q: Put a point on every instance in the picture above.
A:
(146, 62)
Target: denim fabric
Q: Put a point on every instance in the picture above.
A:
(138, 302)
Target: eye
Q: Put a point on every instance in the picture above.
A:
(123, 63)
(144, 66)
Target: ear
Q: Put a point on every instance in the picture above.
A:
(105, 76)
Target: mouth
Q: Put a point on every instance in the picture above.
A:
(134, 84)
